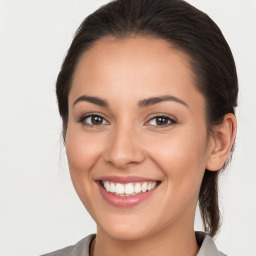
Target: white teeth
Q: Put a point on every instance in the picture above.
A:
(112, 188)
(129, 188)
(144, 187)
(137, 188)
(107, 186)
(119, 188)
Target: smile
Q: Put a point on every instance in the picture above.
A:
(128, 189)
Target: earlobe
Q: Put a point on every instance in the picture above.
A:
(221, 142)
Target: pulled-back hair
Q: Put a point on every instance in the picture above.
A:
(185, 28)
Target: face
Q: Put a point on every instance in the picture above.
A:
(136, 126)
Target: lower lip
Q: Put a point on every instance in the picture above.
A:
(125, 201)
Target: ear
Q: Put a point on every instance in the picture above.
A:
(221, 141)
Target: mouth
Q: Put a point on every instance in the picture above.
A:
(126, 191)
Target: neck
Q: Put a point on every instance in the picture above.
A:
(178, 243)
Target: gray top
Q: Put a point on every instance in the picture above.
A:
(206, 243)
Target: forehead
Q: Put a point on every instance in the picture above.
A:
(133, 68)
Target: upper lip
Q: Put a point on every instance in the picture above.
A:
(124, 179)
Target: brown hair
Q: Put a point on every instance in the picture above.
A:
(189, 30)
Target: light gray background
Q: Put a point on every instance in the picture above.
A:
(39, 210)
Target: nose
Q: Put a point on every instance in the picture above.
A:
(124, 148)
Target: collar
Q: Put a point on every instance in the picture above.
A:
(206, 243)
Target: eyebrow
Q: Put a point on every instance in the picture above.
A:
(142, 103)
(94, 100)
(154, 100)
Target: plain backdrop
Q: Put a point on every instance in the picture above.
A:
(39, 209)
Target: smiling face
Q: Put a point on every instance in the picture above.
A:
(136, 118)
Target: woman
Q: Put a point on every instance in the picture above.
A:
(147, 94)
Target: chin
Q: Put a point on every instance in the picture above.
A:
(128, 228)
(126, 233)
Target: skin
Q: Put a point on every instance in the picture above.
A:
(129, 142)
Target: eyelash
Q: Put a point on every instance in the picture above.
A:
(171, 121)
(82, 119)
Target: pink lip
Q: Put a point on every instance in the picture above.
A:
(123, 180)
(124, 201)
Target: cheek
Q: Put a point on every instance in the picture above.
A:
(82, 151)
(182, 158)
(82, 155)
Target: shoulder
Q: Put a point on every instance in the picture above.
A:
(207, 245)
(80, 248)
(62, 252)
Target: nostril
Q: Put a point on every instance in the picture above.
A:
(123, 152)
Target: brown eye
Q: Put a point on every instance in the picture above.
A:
(161, 121)
(93, 120)
(96, 120)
